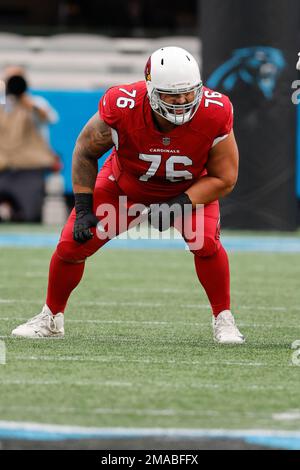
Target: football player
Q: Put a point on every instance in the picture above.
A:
(173, 146)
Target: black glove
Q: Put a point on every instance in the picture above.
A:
(85, 219)
(162, 216)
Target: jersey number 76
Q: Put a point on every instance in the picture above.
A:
(171, 174)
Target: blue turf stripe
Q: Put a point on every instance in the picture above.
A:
(281, 442)
(20, 434)
(287, 443)
(28, 240)
(32, 435)
(231, 242)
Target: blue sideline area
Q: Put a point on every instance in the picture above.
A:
(74, 108)
(286, 440)
(245, 243)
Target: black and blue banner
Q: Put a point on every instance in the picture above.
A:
(250, 54)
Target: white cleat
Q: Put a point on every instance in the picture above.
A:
(43, 325)
(225, 330)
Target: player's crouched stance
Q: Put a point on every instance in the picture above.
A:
(173, 148)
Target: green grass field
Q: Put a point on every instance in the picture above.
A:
(138, 350)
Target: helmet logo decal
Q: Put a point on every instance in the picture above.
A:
(148, 70)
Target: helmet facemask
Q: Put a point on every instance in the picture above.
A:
(176, 113)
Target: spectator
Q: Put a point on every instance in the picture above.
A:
(25, 153)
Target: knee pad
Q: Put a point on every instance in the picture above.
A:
(209, 248)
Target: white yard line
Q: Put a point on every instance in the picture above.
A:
(122, 359)
(165, 385)
(125, 411)
(169, 323)
(292, 415)
(79, 383)
(155, 305)
(140, 290)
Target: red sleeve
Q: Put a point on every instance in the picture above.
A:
(108, 110)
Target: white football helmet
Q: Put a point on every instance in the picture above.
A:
(173, 70)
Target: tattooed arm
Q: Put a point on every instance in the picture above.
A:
(93, 141)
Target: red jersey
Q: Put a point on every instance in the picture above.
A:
(152, 166)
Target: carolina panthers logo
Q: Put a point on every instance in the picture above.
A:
(258, 66)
